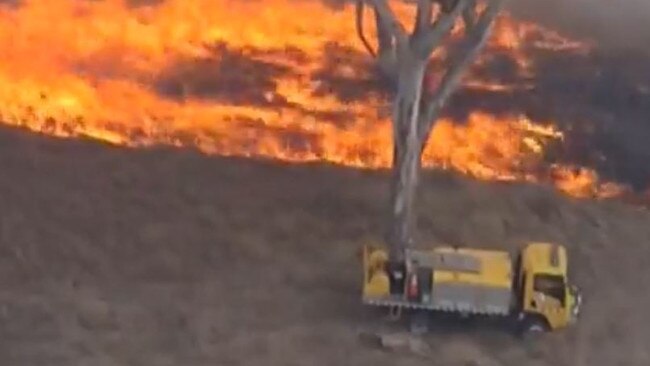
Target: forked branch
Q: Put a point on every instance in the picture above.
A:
(389, 20)
(390, 36)
(423, 44)
(472, 44)
(469, 16)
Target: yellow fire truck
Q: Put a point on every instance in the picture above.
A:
(534, 288)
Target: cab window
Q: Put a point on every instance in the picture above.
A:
(550, 285)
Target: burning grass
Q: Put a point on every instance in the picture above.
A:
(245, 78)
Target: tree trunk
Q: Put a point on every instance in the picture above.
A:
(406, 153)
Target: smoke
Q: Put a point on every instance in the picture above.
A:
(612, 24)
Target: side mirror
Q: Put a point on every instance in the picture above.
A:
(575, 290)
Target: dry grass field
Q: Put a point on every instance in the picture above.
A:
(112, 256)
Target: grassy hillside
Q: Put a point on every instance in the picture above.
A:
(111, 256)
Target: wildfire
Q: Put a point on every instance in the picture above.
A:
(247, 78)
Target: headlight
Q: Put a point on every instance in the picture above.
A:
(578, 303)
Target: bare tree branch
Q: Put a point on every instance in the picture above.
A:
(473, 44)
(423, 16)
(385, 33)
(388, 18)
(359, 26)
(469, 16)
(392, 39)
(385, 23)
(447, 5)
(427, 42)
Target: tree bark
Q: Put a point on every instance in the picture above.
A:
(406, 153)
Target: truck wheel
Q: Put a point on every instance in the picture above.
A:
(394, 313)
(533, 327)
(419, 322)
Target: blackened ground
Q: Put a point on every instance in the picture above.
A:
(111, 256)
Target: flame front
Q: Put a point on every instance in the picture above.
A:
(155, 74)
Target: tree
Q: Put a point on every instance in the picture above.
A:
(402, 58)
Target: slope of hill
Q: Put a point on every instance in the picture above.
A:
(111, 256)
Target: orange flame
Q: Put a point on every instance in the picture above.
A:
(81, 68)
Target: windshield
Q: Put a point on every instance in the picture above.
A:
(550, 285)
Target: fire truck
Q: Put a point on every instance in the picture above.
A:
(533, 288)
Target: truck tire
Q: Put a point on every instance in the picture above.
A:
(419, 322)
(533, 327)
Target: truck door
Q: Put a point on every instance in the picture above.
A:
(549, 298)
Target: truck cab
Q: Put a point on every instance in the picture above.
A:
(546, 299)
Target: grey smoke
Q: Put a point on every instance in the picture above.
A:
(613, 24)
